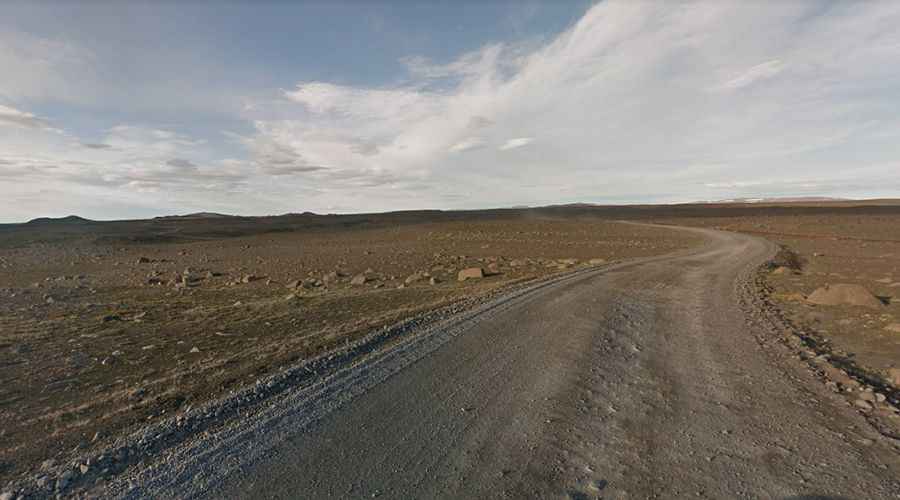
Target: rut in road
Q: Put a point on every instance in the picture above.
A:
(643, 380)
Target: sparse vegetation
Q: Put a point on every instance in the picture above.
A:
(786, 258)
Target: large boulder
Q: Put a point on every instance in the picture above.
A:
(470, 273)
(844, 294)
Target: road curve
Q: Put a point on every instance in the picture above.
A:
(642, 380)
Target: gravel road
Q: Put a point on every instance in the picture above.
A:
(639, 380)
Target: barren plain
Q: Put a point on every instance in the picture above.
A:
(109, 327)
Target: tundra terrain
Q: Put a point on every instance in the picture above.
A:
(106, 330)
(140, 357)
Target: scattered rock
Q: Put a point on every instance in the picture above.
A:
(414, 277)
(330, 277)
(7, 495)
(863, 404)
(894, 376)
(893, 327)
(867, 396)
(856, 295)
(63, 481)
(470, 273)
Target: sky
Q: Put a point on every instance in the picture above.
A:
(113, 110)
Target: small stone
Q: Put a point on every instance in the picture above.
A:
(195, 349)
(84, 468)
(414, 277)
(893, 328)
(894, 376)
(433, 281)
(879, 397)
(867, 396)
(863, 404)
(470, 273)
(64, 480)
(7, 495)
(359, 279)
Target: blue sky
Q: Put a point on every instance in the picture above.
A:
(135, 109)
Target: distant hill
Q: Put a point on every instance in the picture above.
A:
(794, 199)
(71, 219)
(197, 215)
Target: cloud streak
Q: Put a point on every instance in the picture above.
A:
(636, 101)
(13, 117)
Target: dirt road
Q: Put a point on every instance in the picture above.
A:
(638, 380)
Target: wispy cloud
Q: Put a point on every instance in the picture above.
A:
(518, 142)
(755, 74)
(636, 101)
(14, 117)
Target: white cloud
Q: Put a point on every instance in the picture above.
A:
(13, 117)
(466, 144)
(45, 68)
(621, 103)
(637, 101)
(518, 142)
(757, 73)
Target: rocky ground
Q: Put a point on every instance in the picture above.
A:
(838, 281)
(107, 328)
(104, 328)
